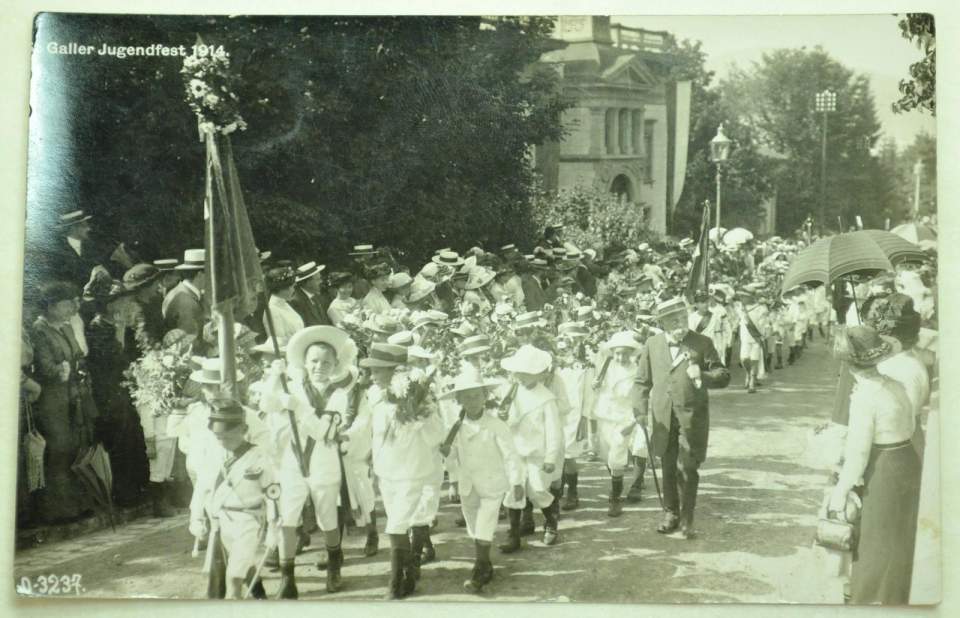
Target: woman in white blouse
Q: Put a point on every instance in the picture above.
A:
(879, 451)
(285, 320)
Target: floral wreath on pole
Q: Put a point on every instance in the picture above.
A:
(210, 89)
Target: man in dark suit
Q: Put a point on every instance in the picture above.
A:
(308, 298)
(183, 306)
(677, 366)
(74, 256)
(533, 293)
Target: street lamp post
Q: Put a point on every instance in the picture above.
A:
(917, 172)
(719, 152)
(826, 102)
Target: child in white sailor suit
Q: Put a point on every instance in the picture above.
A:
(230, 495)
(617, 398)
(534, 420)
(578, 380)
(405, 453)
(481, 449)
(321, 365)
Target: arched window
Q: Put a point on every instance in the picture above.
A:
(610, 131)
(622, 188)
(624, 138)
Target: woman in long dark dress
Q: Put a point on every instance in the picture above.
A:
(110, 337)
(65, 412)
(879, 450)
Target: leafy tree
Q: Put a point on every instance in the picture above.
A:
(775, 97)
(404, 131)
(746, 182)
(919, 92)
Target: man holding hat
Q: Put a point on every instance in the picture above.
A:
(182, 306)
(677, 367)
(230, 496)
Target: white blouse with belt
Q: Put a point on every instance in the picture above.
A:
(880, 414)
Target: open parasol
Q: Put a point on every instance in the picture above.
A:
(92, 467)
(736, 237)
(915, 232)
(716, 232)
(866, 251)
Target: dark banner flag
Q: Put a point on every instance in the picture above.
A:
(700, 273)
(233, 264)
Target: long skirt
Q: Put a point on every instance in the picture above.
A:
(883, 564)
(841, 401)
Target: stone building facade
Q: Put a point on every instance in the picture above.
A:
(617, 133)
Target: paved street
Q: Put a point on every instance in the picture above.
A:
(756, 516)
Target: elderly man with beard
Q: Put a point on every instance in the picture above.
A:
(677, 367)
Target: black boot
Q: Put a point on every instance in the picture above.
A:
(373, 539)
(571, 500)
(513, 536)
(526, 520)
(411, 573)
(288, 582)
(483, 555)
(616, 502)
(258, 592)
(158, 500)
(779, 364)
(395, 588)
(429, 551)
(474, 585)
(551, 516)
(635, 493)
(334, 561)
(416, 549)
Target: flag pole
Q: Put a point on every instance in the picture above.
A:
(706, 246)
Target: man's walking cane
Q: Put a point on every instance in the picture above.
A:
(653, 459)
(273, 494)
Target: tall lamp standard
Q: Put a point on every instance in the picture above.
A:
(826, 102)
(719, 152)
(917, 172)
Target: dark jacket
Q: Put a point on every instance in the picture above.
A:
(312, 310)
(533, 295)
(666, 389)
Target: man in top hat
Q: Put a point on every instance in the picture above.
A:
(182, 307)
(228, 502)
(677, 367)
(308, 299)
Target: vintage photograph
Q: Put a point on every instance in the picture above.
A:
(570, 308)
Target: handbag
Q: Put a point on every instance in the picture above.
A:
(839, 531)
(34, 447)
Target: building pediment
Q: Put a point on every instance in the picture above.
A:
(629, 70)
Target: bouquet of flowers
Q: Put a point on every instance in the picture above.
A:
(156, 379)
(409, 390)
(210, 89)
(353, 324)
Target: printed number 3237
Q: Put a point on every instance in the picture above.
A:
(50, 584)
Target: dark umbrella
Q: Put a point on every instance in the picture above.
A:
(865, 251)
(92, 467)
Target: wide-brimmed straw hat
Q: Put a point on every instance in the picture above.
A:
(622, 339)
(573, 330)
(166, 264)
(448, 258)
(670, 307)
(73, 218)
(468, 379)
(865, 347)
(431, 316)
(399, 280)
(193, 259)
(527, 359)
(210, 372)
(530, 319)
(420, 289)
(385, 355)
(359, 250)
(308, 270)
(340, 341)
(473, 345)
(479, 277)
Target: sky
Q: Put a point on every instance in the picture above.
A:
(868, 44)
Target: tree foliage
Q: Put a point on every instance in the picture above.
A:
(919, 92)
(775, 99)
(747, 173)
(406, 131)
